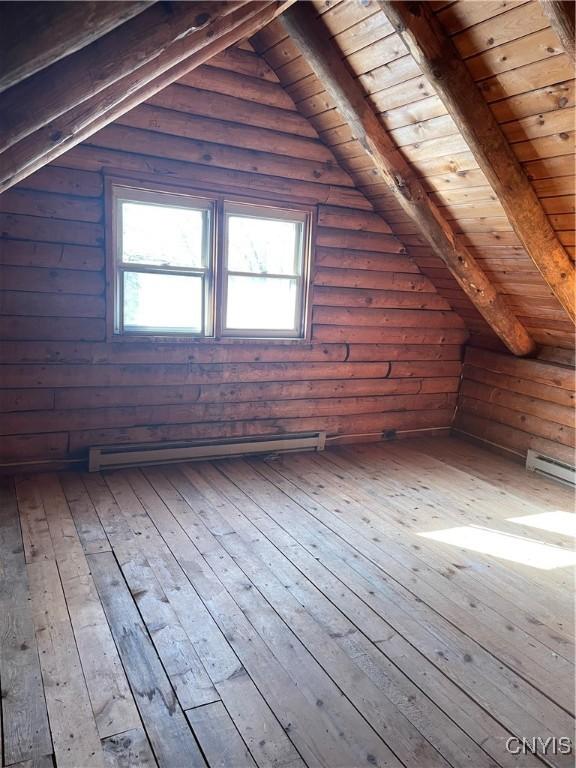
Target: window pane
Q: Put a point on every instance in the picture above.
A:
(263, 245)
(261, 303)
(162, 302)
(163, 235)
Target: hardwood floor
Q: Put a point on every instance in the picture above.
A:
(401, 604)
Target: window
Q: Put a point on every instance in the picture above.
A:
(206, 266)
(163, 263)
(263, 270)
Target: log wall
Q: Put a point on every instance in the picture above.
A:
(518, 403)
(385, 350)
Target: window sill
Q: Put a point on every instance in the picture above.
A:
(222, 340)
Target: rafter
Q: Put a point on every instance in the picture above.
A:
(442, 65)
(76, 78)
(561, 15)
(36, 35)
(80, 122)
(301, 23)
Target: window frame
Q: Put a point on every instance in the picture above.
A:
(121, 267)
(214, 308)
(260, 211)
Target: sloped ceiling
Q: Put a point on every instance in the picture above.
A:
(527, 79)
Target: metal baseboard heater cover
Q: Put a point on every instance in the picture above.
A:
(551, 468)
(116, 456)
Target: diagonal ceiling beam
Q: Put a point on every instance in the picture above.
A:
(80, 122)
(301, 23)
(442, 65)
(35, 35)
(76, 78)
(562, 17)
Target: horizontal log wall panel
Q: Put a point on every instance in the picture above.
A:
(65, 181)
(509, 438)
(383, 318)
(51, 304)
(533, 370)
(189, 174)
(91, 418)
(173, 147)
(357, 297)
(335, 425)
(553, 431)
(30, 254)
(203, 103)
(51, 280)
(22, 227)
(94, 397)
(52, 329)
(518, 404)
(236, 84)
(385, 353)
(370, 335)
(173, 123)
(158, 374)
(364, 278)
(26, 400)
(231, 352)
(529, 406)
(24, 448)
(50, 205)
(345, 258)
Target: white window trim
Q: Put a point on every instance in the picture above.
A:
(215, 273)
(181, 200)
(257, 211)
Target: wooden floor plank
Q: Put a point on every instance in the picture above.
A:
(507, 474)
(165, 723)
(88, 526)
(25, 732)
(484, 506)
(74, 731)
(476, 606)
(123, 517)
(185, 670)
(351, 679)
(130, 749)
(218, 737)
(486, 731)
(417, 513)
(534, 655)
(338, 627)
(39, 762)
(110, 696)
(462, 660)
(218, 532)
(284, 613)
(329, 734)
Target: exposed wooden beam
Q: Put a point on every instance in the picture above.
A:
(76, 78)
(35, 35)
(441, 63)
(51, 141)
(562, 17)
(301, 23)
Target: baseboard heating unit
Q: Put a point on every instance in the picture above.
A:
(110, 457)
(550, 468)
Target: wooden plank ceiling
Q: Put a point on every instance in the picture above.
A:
(520, 67)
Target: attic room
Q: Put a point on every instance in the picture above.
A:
(287, 384)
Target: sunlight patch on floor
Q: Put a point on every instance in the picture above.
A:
(556, 522)
(505, 546)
